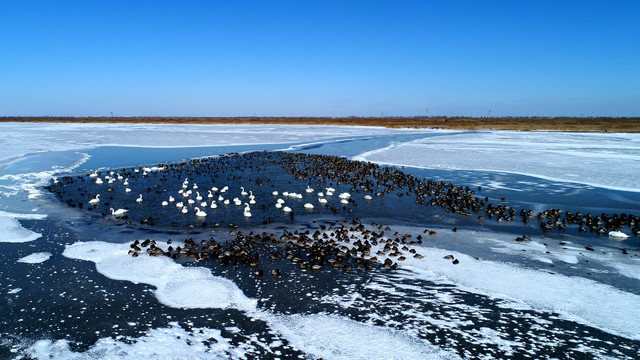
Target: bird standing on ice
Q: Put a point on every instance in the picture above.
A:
(95, 201)
(118, 212)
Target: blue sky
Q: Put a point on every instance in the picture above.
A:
(320, 58)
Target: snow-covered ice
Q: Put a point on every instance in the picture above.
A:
(176, 285)
(35, 258)
(604, 160)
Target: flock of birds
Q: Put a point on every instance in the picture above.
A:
(344, 246)
(324, 171)
(188, 192)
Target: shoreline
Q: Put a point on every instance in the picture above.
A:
(574, 124)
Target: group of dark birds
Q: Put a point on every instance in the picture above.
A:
(344, 246)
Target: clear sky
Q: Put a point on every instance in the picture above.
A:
(319, 58)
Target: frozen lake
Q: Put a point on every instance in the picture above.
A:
(71, 289)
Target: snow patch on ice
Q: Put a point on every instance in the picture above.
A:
(22, 216)
(575, 298)
(567, 157)
(172, 342)
(176, 285)
(12, 232)
(35, 258)
(336, 337)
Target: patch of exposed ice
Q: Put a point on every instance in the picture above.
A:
(35, 258)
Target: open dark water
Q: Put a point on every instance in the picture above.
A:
(69, 299)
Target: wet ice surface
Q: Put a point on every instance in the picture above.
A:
(547, 298)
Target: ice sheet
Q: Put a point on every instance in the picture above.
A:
(576, 298)
(21, 141)
(176, 285)
(598, 159)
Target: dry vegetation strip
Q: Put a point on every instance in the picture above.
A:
(459, 123)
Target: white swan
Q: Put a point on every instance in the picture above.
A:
(309, 189)
(213, 205)
(322, 201)
(278, 205)
(247, 210)
(195, 186)
(139, 200)
(118, 212)
(275, 193)
(237, 201)
(220, 198)
(95, 201)
(98, 181)
(284, 193)
(618, 235)
(286, 209)
(184, 210)
(242, 192)
(210, 195)
(224, 189)
(191, 201)
(203, 204)
(308, 206)
(171, 199)
(95, 174)
(226, 202)
(252, 202)
(127, 190)
(179, 205)
(344, 201)
(320, 194)
(126, 182)
(344, 195)
(368, 197)
(198, 197)
(200, 212)
(165, 203)
(214, 189)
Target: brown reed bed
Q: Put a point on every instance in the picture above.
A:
(598, 124)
